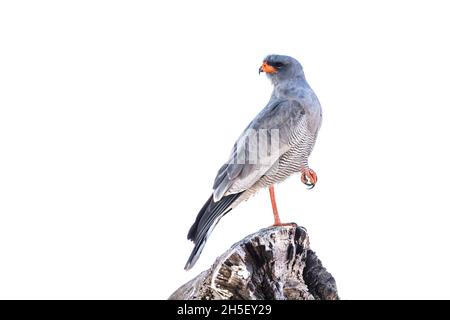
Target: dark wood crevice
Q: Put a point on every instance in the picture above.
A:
(274, 263)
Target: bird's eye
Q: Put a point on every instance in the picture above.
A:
(278, 64)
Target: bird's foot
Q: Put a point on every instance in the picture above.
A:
(290, 224)
(309, 177)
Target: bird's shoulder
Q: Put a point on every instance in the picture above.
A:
(277, 113)
(276, 122)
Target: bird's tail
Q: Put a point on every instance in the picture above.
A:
(205, 222)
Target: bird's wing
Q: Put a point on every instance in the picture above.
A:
(249, 161)
(277, 121)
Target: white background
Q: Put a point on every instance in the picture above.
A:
(116, 115)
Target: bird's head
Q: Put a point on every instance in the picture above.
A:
(279, 68)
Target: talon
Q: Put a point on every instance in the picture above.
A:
(309, 185)
(309, 178)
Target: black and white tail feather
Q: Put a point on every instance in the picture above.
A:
(204, 224)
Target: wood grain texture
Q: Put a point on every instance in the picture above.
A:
(274, 263)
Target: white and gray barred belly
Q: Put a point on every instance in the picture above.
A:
(302, 142)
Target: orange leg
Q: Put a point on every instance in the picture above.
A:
(274, 206)
(275, 211)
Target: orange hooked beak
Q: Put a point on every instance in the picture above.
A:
(267, 68)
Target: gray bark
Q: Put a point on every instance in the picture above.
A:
(273, 263)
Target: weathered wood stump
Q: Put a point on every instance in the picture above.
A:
(275, 263)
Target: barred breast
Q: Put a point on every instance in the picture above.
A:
(302, 142)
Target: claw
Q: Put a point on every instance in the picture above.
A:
(310, 185)
(309, 178)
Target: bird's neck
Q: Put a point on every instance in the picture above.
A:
(292, 88)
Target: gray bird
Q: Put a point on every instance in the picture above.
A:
(275, 145)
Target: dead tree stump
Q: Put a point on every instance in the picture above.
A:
(274, 263)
